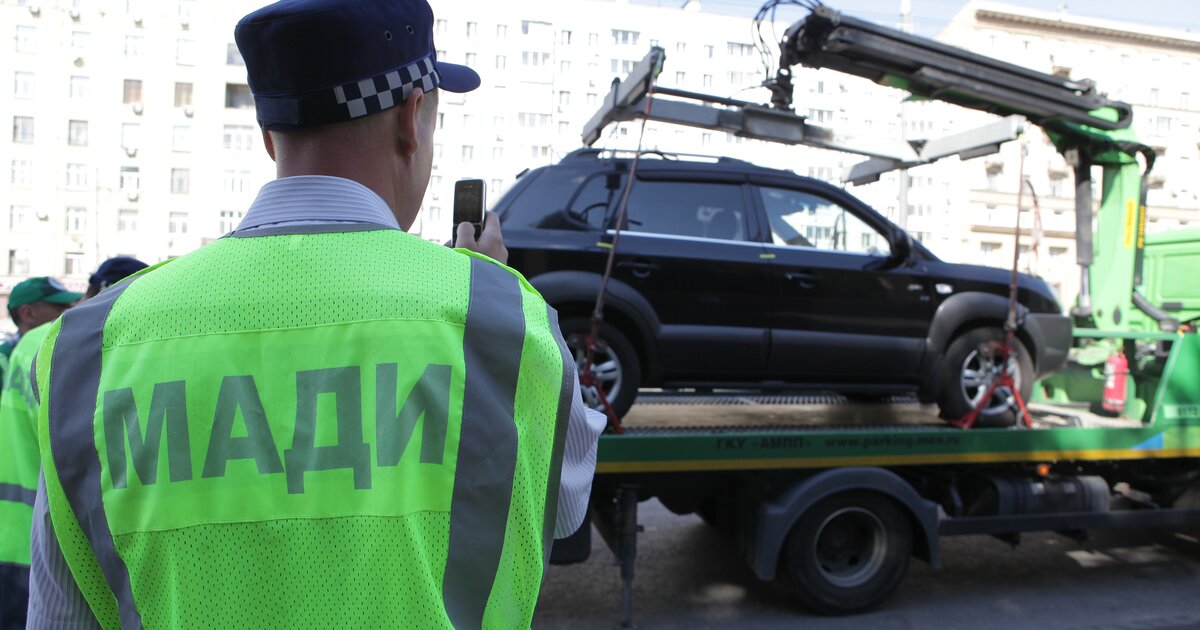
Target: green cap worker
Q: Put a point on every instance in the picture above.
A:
(33, 304)
(318, 420)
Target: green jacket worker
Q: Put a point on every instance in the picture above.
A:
(318, 420)
(32, 304)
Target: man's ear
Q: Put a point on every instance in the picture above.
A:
(269, 143)
(24, 313)
(409, 122)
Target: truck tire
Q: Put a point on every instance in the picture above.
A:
(847, 553)
(962, 383)
(617, 364)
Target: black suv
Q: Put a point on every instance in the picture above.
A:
(730, 275)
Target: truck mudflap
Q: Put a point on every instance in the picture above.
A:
(776, 518)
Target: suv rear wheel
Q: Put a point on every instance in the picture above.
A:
(968, 369)
(615, 364)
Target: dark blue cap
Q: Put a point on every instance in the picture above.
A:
(315, 62)
(113, 271)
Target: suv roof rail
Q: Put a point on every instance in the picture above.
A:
(591, 153)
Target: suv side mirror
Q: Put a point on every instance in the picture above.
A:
(901, 243)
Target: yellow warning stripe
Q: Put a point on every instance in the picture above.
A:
(891, 460)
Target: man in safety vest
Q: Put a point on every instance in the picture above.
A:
(32, 304)
(318, 420)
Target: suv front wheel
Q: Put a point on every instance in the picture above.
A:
(615, 364)
(969, 368)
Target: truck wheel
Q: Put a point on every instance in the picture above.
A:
(847, 553)
(966, 373)
(616, 364)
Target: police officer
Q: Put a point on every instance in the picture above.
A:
(318, 420)
(32, 304)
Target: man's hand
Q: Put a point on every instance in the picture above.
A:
(491, 240)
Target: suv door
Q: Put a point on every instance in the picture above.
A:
(689, 246)
(839, 316)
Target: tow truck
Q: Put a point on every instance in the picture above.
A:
(834, 497)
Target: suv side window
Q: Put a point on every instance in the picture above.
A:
(693, 209)
(596, 200)
(804, 219)
(540, 204)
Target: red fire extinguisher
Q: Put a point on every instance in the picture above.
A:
(1116, 371)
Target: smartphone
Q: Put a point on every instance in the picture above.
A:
(469, 205)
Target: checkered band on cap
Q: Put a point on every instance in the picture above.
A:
(373, 95)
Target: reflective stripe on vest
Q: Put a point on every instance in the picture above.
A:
(72, 408)
(480, 488)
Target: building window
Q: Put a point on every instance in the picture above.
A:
(18, 217)
(564, 67)
(238, 96)
(468, 153)
(229, 220)
(593, 39)
(18, 262)
(472, 29)
(131, 136)
(564, 127)
(533, 120)
(501, 31)
(564, 37)
(22, 172)
(539, 151)
(73, 265)
(23, 84)
(76, 220)
(241, 137)
(185, 11)
(127, 220)
(77, 176)
(177, 223)
(497, 153)
(181, 138)
(181, 181)
(625, 38)
(185, 52)
(681, 47)
(133, 91)
(535, 58)
(26, 39)
(494, 186)
(134, 46)
(439, 26)
(79, 88)
(501, 62)
(709, 51)
(740, 50)
(564, 98)
(23, 129)
(233, 56)
(680, 77)
(131, 180)
(183, 94)
(237, 182)
(77, 133)
(708, 80)
(591, 99)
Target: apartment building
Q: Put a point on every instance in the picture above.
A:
(133, 129)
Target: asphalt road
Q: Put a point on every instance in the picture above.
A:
(690, 577)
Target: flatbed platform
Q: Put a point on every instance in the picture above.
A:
(724, 412)
(667, 432)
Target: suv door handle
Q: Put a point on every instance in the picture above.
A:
(641, 269)
(805, 280)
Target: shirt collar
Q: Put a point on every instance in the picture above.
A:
(316, 199)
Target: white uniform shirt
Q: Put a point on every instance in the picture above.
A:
(54, 598)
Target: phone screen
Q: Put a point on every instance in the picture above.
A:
(468, 201)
